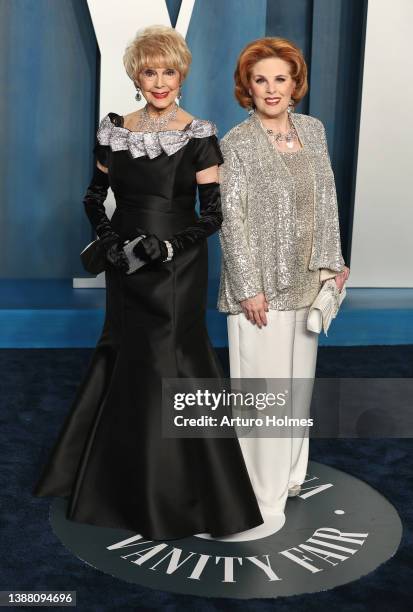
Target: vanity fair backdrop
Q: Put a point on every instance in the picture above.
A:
(50, 61)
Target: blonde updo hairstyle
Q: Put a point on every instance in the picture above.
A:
(155, 47)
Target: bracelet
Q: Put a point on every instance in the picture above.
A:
(169, 249)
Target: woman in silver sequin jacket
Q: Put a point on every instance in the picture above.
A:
(280, 240)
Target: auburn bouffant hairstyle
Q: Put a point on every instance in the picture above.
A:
(263, 48)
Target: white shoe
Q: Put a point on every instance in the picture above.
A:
(294, 490)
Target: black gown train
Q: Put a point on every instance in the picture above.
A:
(110, 458)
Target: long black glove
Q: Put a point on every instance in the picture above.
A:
(93, 200)
(210, 220)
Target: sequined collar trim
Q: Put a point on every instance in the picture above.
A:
(151, 144)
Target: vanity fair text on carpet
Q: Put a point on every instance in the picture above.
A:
(326, 548)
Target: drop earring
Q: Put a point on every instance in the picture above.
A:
(138, 94)
(179, 96)
(291, 104)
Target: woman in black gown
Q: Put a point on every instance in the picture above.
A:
(110, 458)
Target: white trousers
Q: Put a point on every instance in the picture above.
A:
(282, 349)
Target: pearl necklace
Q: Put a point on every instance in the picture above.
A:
(147, 123)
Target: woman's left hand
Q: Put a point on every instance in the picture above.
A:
(342, 277)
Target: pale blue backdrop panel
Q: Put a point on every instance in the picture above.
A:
(48, 65)
(337, 59)
(173, 7)
(217, 32)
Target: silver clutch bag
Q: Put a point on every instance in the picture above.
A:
(134, 262)
(325, 307)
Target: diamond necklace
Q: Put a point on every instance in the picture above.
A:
(147, 123)
(289, 136)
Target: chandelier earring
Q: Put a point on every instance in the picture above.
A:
(291, 105)
(138, 94)
(179, 96)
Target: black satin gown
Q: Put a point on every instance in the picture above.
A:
(110, 458)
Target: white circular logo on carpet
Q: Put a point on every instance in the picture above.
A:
(338, 529)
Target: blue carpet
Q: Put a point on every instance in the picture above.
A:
(37, 388)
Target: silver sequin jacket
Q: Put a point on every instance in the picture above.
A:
(257, 233)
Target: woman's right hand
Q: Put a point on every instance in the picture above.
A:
(116, 256)
(255, 308)
(342, 278)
